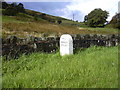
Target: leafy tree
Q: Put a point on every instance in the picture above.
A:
(85, 18)
(96, 18)
(10, 11)
(13, 9)
(4, 5)
(115, 22)
(20, 8)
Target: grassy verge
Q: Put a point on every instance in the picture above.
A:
(107, 30)
(95, 67)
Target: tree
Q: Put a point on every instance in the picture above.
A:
(20, 8)
(13, 9)
(10, 11)
(115, 22)
(96, 18)
(4, 5)
(85, 18)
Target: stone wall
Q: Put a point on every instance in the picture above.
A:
(13, 47)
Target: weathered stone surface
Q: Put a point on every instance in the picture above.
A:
(13, 47)
(66, 45)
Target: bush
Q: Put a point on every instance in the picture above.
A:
(10, 11)
(59, 21)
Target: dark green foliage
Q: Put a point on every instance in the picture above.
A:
(51, 20)
(43, 16)
(96, 18)
(115, 22)
(59, 21)
(14, 4)
(4, 5)
(85, 18)
(13, 9)
(10, 11)
(35, 18)
(46, 17)
(20, 8)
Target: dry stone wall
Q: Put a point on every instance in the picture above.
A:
(13, 47)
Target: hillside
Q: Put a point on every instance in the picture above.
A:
(40, 24)
(39, 14)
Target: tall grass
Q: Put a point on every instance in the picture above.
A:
(23, 25)
(38, 28)
(34, 28)
(95, 67)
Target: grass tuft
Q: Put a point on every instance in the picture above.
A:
(95, 67)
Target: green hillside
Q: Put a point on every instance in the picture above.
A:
(37, 23)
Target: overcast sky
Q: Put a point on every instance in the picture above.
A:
(66, 8)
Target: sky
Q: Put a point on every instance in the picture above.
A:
(119, 7)
(68, 8)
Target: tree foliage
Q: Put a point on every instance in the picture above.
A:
(115, 22)
(4, 5)
(12, 9)
(59, 21)
(20, 8)
(96, 18)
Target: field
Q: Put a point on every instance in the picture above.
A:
(24, 25)
(95, 67)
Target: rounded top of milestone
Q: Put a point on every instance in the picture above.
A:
(66, 36)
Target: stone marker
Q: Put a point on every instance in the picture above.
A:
(66, 45)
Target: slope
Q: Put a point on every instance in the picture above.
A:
(37, 24)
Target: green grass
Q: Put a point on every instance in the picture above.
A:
(70, 22)
(95, 67)
(10, 19)
(107, 30)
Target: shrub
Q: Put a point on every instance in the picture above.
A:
(10, 11)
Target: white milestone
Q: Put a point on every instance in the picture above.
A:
(66, 45)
